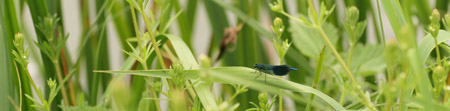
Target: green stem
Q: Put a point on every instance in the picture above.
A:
(292, 17)
(281, 101)
(341, 100)
(158, 108)
(153, 40)
(155, 46)
(346, 69)
(234, 96)
(138, 36)
(39, 93)
(60, 80)
(281, 96)
(438, 59)
(20, 87)
(349, 61)
(142, 54)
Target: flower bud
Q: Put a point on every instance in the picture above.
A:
(277, 6)
(438, 74)
(278, 26)
(51, 83)
(435, 16)
(434, 25)
(352, 15)
(263, 99)
(19, 41)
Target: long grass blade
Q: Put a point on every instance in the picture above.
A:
(316, 76)
(427, 45)
(244, 76)
(5, 65)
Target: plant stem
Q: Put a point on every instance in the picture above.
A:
(341, 100)
(142, 54)
(234, 96)
(438, 59)
(281, 101)
(292, 17)
(155, 46)
(158, 108)
(20, 87)
(59, 76)
(346, 69)
(39, 93)
(349, 61)
(281, 96)
(153, 40)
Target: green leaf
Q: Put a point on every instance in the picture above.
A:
(368, 59)
(308, 40)
(427, 45)
(243, 76)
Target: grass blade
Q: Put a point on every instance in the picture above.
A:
(244, 76)
(5, 64)
(427, 45)
(316, 76)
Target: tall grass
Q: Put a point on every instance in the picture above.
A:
(161, 72)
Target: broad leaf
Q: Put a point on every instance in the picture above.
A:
(308, 40)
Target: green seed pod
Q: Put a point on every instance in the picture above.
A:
(19, 41)
(352, 15)
(278, 26)
(438, 73)
(51, 83)
(277, 6)
(434, 25)
(435, 16)
(263, 98)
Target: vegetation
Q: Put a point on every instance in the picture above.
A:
(340, 68)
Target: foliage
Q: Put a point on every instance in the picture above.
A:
(340, 67)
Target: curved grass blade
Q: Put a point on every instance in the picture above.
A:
(427, 45)
(244, 76)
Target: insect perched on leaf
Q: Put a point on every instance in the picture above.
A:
(279, 70)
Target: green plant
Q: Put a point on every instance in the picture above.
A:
(163, 67)
(46, 104)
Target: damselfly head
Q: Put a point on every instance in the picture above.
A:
(255, 66)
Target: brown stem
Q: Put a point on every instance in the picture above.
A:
(66, 72)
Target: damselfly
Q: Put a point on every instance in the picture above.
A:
(279, 70)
